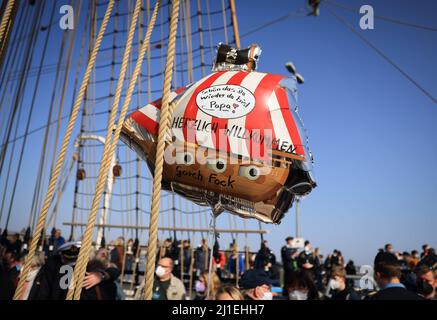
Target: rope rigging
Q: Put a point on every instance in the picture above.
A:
(388, 19)
(61, 157)
(188, 62)
(43, 164)
(17, 103)
(79, 270)
(6, 26)
(30, 113)
(166, 112)
(383, 55)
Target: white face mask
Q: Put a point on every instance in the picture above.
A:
(335, 285)
(267, 296)
(298, 295)
(160, 271)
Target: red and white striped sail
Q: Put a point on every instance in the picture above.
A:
(231, 111)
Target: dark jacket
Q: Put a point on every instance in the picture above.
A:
(287, 261)
(46, 285)
(264, 257)
(105, 290)
(430, 260)
(232, 264)
(305, 257)
(395, 293)
(347, 294)
(8, 281)
(201, 258)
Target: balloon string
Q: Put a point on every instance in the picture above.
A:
(210, 245)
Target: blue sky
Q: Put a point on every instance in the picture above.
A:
(371, 131)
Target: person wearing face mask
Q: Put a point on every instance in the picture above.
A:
(425, 290)
(202, 286)
(341, 290)
(424, 273)
(301, 287)
(167, 286)
(256, 285)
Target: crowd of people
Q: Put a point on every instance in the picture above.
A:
(200, 273)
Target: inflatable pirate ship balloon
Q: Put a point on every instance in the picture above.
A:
(236, 141)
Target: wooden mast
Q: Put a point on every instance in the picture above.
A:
(235, 23)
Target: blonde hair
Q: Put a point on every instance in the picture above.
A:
(119, 241)
(38, 260)
(215, 282)
(233, 292)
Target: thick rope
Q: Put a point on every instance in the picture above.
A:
(166, 111)
(82, 260)
(4, 39)
(109, 150)
(5, 20)
(62, 153)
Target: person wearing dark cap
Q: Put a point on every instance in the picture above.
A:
(47, 286)
(97, 283)
(256, 285)
(387, 277)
